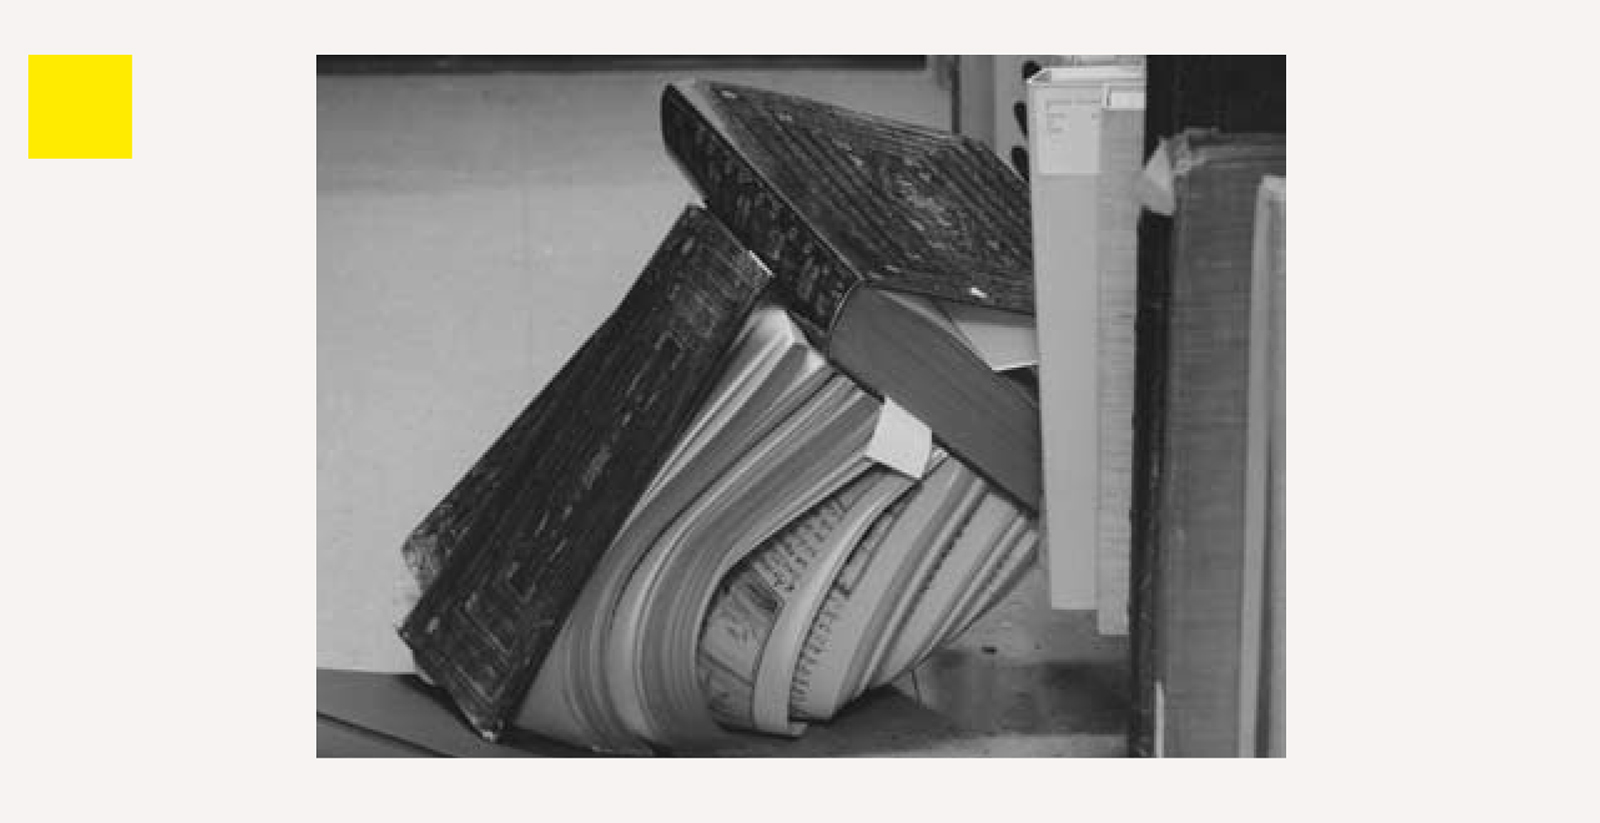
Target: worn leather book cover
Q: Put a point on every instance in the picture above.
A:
(831, 197)
(842, 205)
(502, 558)
(1191, 419)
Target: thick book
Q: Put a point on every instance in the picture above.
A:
(849, 211)
(1227, 93)
(704, 614)
(504, 555)
(1192, 425)
(623, 675)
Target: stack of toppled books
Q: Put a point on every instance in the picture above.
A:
(789, 466)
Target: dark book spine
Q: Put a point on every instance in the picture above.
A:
(512, 545)
(1150, 358)
(812, 276)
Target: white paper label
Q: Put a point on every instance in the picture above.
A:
(901, 441)
(1067, 122)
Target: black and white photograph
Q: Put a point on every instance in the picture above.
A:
(801, 406)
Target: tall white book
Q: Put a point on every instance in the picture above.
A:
(1086, 140)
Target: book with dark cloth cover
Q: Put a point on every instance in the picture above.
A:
(503, 557)
(1190, 430)
(844, 207)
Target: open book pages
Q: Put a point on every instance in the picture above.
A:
(771, 558)
(651, 651)
(763, 609)
(846, 641)
(771, 373)
(982, 543)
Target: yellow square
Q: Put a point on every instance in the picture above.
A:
(80, 106)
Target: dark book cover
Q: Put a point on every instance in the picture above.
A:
(830, 197)
(1190, 418)
(843, 206)
(503, 557)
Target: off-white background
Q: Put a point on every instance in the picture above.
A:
(157, 330)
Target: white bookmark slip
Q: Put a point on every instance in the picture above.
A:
(900, 441)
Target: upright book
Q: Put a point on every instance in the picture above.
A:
(1232, 94)
(876, 232)
(1087, 122)
(1194, 421)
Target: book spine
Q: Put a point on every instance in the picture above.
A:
(812, 276)
(1118, 217)
(511, 547)
(1150, 356)
(1200, 511)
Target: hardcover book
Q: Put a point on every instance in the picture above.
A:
(1229, 93)
(1192, 422)
(865, 222)
(1086, 159)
